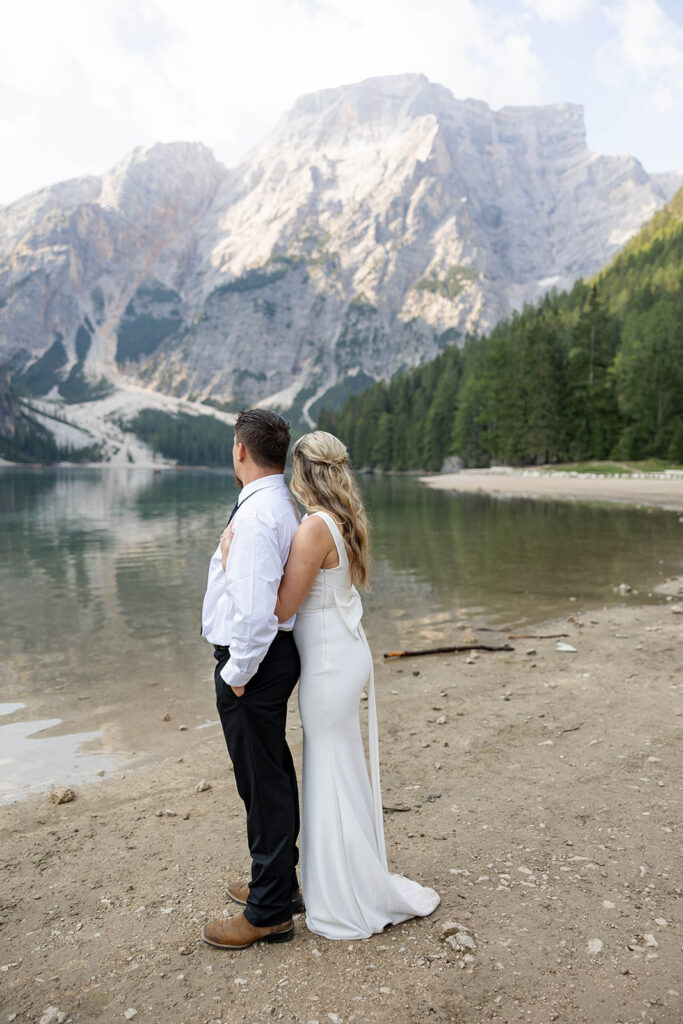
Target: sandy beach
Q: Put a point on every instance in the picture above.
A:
(661, 490)
(537, 790)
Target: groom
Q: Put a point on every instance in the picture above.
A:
(257, 667)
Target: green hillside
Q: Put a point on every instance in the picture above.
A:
(593, 373)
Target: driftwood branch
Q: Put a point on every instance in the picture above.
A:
(535, 636)
(461, 648)
(519, 636)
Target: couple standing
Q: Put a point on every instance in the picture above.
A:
(281, 605)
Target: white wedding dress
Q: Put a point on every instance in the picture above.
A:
(348, 891)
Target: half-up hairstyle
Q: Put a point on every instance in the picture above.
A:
(323, 482)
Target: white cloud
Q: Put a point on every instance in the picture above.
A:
(646, 44)
(558, 10)
(88, 79)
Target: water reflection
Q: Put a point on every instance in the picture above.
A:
(514, 561)
(103, 571)
(27, 765)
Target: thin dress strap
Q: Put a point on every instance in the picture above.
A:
(336, 535)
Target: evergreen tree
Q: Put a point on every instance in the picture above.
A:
(589, 373)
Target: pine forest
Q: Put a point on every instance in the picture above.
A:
(593, 373)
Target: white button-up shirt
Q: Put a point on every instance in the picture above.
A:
(239, 604)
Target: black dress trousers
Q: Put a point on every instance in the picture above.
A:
(254, 728)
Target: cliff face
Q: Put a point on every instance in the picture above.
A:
(376, 223)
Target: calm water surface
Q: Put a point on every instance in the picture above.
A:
(103, 573)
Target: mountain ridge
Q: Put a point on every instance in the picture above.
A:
(591, 373)
(374, 224)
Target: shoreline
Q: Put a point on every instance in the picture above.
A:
(534, 789)
(656, 490)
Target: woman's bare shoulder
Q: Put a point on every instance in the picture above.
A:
(315, 532)
(313, 526)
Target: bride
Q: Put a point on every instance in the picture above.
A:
(348, 890)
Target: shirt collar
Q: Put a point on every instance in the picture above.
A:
(272, 480)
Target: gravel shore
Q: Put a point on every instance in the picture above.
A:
(662, 490)
(537, 790)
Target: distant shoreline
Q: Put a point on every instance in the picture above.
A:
(654, 490)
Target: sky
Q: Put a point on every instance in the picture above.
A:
(82, 82)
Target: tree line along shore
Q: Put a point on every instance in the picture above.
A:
(593, 373)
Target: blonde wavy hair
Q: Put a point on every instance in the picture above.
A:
(323, 482)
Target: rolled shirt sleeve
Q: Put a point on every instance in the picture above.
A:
(252, 577)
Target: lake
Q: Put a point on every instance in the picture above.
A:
(103, 574)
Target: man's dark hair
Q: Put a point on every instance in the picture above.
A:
(265, 435)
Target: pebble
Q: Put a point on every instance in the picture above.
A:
(166, 717)
(62, 795)
(202, 786)
(457, 936)
(608, 905)
(595, 946)
(661, 922)
(676, 609)
(441, 720)
(53, 1015)
(169, 813)
(182, 728)
(130, 1013)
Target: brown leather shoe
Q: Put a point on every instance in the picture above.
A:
(238, 933)
(239, 892)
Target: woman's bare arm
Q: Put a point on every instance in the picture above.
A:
(311, 548)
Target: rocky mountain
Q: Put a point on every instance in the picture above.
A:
(376, 223)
